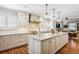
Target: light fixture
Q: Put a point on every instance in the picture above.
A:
(54, 13)
(46, 13)
(59, 17)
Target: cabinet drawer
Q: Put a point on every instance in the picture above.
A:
(13, 43)
(48, 46)
(17, 37)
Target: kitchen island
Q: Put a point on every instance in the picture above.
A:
(47, 43)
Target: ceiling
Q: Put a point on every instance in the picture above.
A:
(67, 10)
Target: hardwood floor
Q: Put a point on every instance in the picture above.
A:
(18, 50)
(71, 48)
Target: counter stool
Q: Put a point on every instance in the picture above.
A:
(73, 35)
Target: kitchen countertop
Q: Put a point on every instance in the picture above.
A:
(14, 31)
(46, 35)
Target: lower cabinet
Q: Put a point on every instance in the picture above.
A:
(54, 44)
(11, 41)
(47, 46)
(51, 46)
(58, 43)
(2, 44)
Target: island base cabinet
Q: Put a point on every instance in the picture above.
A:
(58, 43)
(41, 47)
(48, 46)
(34, 46)
(64, 39)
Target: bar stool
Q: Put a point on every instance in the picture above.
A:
(73, 35)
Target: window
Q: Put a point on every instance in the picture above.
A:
(2, 21)
(12, 21)
(8, 21)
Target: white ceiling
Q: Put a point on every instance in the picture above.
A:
(67, 10)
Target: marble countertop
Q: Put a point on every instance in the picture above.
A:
(14, 31)
(46, 35)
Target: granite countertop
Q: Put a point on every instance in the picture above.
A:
(46, 35)
(14, 31)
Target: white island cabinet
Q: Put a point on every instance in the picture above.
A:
(46, 43)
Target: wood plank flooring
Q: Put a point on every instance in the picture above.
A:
(71, 48)
(19, 50)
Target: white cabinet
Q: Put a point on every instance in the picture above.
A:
(34, 46)
(58, 43)
(41, 47)
(51, 46)
(65, 38)
(11, 41)
(47, 46)
(2, 43)
(15, 40)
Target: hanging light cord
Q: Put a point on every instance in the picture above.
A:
(54, 12)
(46, 9)
(59, 15)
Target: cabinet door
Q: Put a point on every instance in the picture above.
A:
(2, 44)
(65, 37)
(51, 45)
(58, 43)
(34, 46)
(10, 44)
(45, 47)
(61, 40)
(15, 40)
(48, 46)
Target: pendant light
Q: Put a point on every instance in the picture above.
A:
(53, 12)
(46, 13)
(59, 17)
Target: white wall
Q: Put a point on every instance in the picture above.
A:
(7, 12)
(22, 20)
